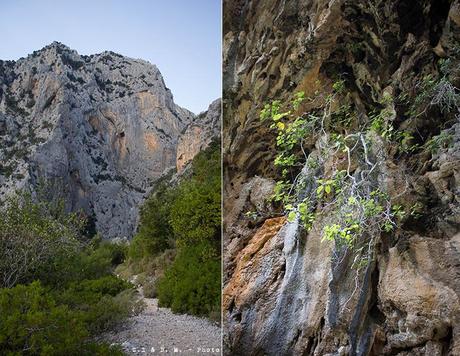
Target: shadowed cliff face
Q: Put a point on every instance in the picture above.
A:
(285, 291)
(96, 129)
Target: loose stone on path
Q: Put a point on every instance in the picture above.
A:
(158, 330)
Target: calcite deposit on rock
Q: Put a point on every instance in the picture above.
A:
(95, 130)
(285, 291)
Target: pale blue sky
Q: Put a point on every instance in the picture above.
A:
(183, 38)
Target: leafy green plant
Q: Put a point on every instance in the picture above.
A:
(445, 96)
(284, 160)
(55, 329)
(272, 111)
(58, 288)
(380, 124)
(353, 209)
(36, 242)
(32, 323)
(416, 210)
(280, 191)
(405, 139)
(103, 302)
(440, 93)
(342, 117)
(371, 208)
(339, 86)
(303, 210)
(438, 142)
(341, 234)
(177, 248)
(191, 284)
(81, 291)
(398, 212)
(195, 213)
(327, 187)
(298, 99)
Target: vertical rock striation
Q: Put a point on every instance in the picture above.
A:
(285, 291)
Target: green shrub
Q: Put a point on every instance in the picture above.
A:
(55, 329)
(187, 216)
(31, 323)
(36, 242)
(100, 258)
(438, 92)
(192, 283)
(109, 312)
(442, 141)
(155, 233)
(196, 212)
(109, 284)
(73, 295)
(103, 302)
(116, 252)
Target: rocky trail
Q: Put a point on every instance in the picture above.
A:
(158, 331)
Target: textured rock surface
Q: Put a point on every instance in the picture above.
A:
(283, 295)
(98, 129)
(199, 134)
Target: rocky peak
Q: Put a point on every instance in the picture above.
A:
(101, 128)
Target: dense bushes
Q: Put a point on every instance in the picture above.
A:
(155, 232)
(36, 241)
(98, 259)
(58, 291)
(188, 217)
(192, 283)
(89, 291)
(196, 213)
(32, 323)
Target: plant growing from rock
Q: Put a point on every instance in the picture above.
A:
(436, 92)
(353, 208)
(438, 142)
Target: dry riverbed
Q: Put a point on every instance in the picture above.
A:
(159, 331)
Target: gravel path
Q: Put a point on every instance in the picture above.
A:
(158, 331)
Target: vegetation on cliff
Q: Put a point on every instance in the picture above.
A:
(176, 252)
(341, 176)
(359, 147)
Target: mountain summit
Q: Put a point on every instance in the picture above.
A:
(94, 130)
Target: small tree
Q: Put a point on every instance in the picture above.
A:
(33, 242)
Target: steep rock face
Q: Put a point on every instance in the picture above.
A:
(285, 290)
(97, 130)
(199, 134)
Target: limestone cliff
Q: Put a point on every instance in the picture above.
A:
(97, 130)
(287, 292)
(199, 134)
